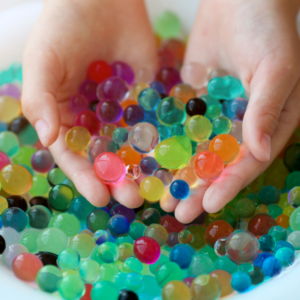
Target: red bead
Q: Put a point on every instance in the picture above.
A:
(99, 70)
(87, 294)
(146, 250)
(217, 230)
(171, 224)
(261, 224)
(89, 120)
(26, 266)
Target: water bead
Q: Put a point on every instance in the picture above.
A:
(26, 266)
(89, 271)
(267, 243)
(242, 246)
(120, 135)
(176, 129)
(82, 243)
(100, 237)
(40, 186)
(109, 111)
(148, 165)
(224, 279)
(133, 171)
(23, 157)
(56, 176)
(129, 155)
(4, 160)
(99, 70)
(200, 264)
(158, 86)
(221, 125)
(220, 247)
(236, 109)
(109, 167)
(125, 251)
(108, 129)
(226, 146)
(271, 267)
(241, 281)
(195, 106)
(39, 216)
(136, 230)
(165, 175)
(148, 99)
(122, 70)
(294, 196)
(152, 189)
(167, 25)
(16, 218)
(131, 265)
(292, 157)
(97, 220)
(182, 91)
(292, 180)
(118, 225)
(205, 287)
(108, 252)
(78, 103)
(286, 256)
(175, 290)
(9, 143)
(226, 87)
(9, 108)
(136, 90)
(171, 110)
(260, 224)
(179, 189)
(11, 252)
(283, 220)
(100, 145)
(78, 138)
(81, 208)
(294, 239)
(212, 112)
(71, 287)
(2, 244)
(48, 278)
(245, 208)
(9, 89)
(133, 114)
(157, 232)
(17, 201)
(3, 205)
(88, 120)
(198, 128)
(60, 197)
(88, 89)
(104, 290)
(167, 272)
(283, 244)
(68, 223)
(217, 230)
(10, 235)
(269, 195)
(146, 250)
(120, 209)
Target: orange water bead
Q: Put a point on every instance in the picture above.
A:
(283, 221)
(217, 230)
(183, 91)
(188, 175)
(225, 281)
(108, 129)
(26, 266)
(226, 146)
(129, 155)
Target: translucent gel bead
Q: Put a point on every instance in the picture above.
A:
(179, 189)
(26, 266)
(78, 103)
(208, 166)
(100, 145)
(292, 180)
(42, 161)
(205, 287)
(129, 155)
(148, 165)
(241, 281)
(60, 197)
(157, 232)
(132, 264)
(150, 216)
(236, 109)
(83, 244)
(245, 208)
(109, 167)
(29, 240)
(100, 237)
(71, 287)
(165, 175)
(212, 112)
(152, 188)
(182, 91)
(218, 72)
(99, 70)
(125, 251)
(294, 239)
(3, 205)
(133, 172)
(9, 89)
(149, 99)
(81, 208)
(185, 237)
(242, 247)
(56, 176)
(89, 271)
(108, 130)
(97, 219)
(176, 290)
(237, 131)
(122, 70)
(16, 218)
(217, 230)
(146, 250)
(136, 90)
(9, 143)
(11, 252)
(40, 186)
(9, 108)
(220, 247)
(78, 138)
(257, 276)
(4, 160)
(195, 106)
(260, 224)
(108, 252)
(194, 73)
(279, 233)
(120, 135)
(48, 278)
(118, 225)
(171, 110)
(226, 146)
(198, 128)
(167, 25)
(158, 86)
(200, 264)
(68, 223)
(221, 125)
(104, 290)
(68, 259)
(39, 216)
(226, 87)
(23, 157)
(88, 89)
(271, 266)
(188, 175)
(176, 129)
(10, 235)
(294, 197)
(52, 240)
(136, 230)
(88, 120)
(267, 243)
(109, 111)
(15, 179)
(224, 279)
(133, 114)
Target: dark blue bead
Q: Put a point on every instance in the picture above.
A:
(148, 165)
(179, 189)
(118, 225)
(261, 258)
(182, 255)
(271, 267)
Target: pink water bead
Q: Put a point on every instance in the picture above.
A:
(146, 250)
(4, 160)
(112, 88)
(78, 103)
(122, 70)
(109, 167)
(88, 89)
(11, 90)
(89, 120)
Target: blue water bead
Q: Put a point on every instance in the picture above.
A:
(269, 195)
(150, 117)
(149, 99)
(133, 114)
(226, 87)
(267, 243)
(1, 224)
(158, 86)
(236, 109)
(225, 105)
(286, 256)
(177, 129)
(148, 165)
(164, 132)
(179, 189)
(120, 135)
(241, 281)
(81, 208)
(271, 267)
(282, 244)
(100, 237)
(261, 258)
(16, 218)
(182, 254)
(118, 225)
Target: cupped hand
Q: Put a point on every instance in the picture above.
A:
(257, 41)
(68, 36)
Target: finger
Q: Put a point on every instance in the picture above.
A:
(168, 203)
(273, 82)
(246, 168)
(80, 171)
(40, 69)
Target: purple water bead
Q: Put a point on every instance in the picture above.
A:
(42, 161)
(78, 103)
(169, 76)
(120, 209)
(88, 88)
(11, 90)
(133, 114)
(109, 111)
(158, 86)
(112, 88)
(123, 70)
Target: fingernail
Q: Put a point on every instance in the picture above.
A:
(42, 128)
(266, 145)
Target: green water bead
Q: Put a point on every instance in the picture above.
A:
(158, 233)
(48, 278)
(68, 223)
(120, 135)
(97, 219)
(294, 239)
(126, 238)
(245, 208)
(167, 25)
(28, 136)
(108, 272)
(83, 244)
(136, 230)
(245, 267)
(104, 290)
(108, 252)
(23, 156)
(170, 111)
(278, 233)
(200, 264)
(89, 271)
(132, 264)
(56, 176)
(154, 267)
(81, 208)
(125, 251)
(292, 180)
(221, 125)
(29, 240)
(226, 87)
(71, 287)
(274, 210)
(119, 280)
(68, 259)
(167, 272)
(40, 186)
(177, 129)
(174, 152)
(213, 112)
(9, 143)
(70, 272)
(39, 216)
(209, 251)
(52, 240)
(226, 264)
(134, 281)
(72, 186)
(60, 197)
(198, 128)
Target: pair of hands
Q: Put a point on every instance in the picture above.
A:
(256, 40)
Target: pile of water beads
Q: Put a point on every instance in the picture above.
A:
(52, 235)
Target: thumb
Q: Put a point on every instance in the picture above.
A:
(40, 86)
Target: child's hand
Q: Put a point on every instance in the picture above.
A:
(69, 35)
(258, 41)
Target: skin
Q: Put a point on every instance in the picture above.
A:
(256, 40)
